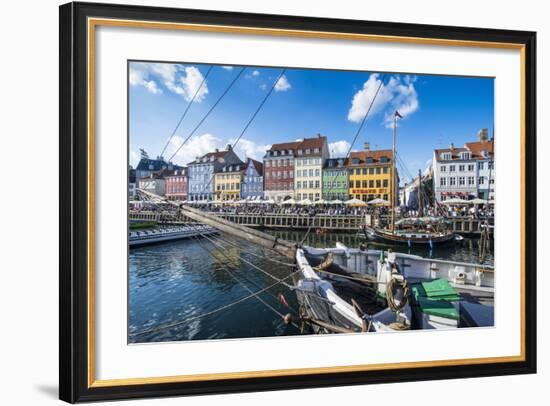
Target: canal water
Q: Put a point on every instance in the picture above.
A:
(176, 289)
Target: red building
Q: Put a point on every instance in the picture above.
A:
(176, 185)
(279, 171)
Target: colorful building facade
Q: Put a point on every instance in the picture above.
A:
(335, 179)
(279, 171)
(176, 185)
(370, 175)
(311, 153)
(253, 180)
(228, 183)
(465, 172)
(202, 170)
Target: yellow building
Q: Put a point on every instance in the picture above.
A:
(370, 175)
(227, 183)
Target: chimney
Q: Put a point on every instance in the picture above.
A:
(318, 135)
(452, 146)
(228, 147)
(483, 135)
(217, 150)
(367, 146)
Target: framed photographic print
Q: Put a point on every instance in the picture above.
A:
(256, 202)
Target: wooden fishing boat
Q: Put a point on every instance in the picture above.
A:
(354, 290)
(411, 236)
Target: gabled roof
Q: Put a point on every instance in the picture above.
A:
(284, 146)
(476, 148)
(179, 172)
(231, 168)
(376, 156)
(257, 165)
(306, 143)
(216, 155)
(334, 162)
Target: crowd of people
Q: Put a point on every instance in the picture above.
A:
(472, 211)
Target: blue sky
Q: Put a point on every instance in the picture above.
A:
(437, 110)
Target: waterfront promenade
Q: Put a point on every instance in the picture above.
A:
(465, 225)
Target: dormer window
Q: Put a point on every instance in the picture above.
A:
(384, 159)
(283, 152)
(300, 152)
(369, 160)
(465, 155)
(316, 150)
(212, 158)
(308, 151)
(485, 153)
(355, 161)
(446, 156)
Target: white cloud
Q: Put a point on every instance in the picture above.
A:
(152, 87)
(138, 77)
(263, 86)
(197, 145)
(339, 148)
(181, 80)
(202, 144)
(256, 73)
(282, 84)
(249, 149)
(227, 67)
(398, 93)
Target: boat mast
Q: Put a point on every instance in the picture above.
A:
(420, 202)
(393, 177)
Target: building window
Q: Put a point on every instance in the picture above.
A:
(490, 165)
(385, 183)
(480, 165)
(385, 169)
(446, 156)
(371, 171)
(461, 181)
(452, 181)
(461, 168)
(378, 170)
(471, 180)
(443, 182)
(481, 180)
(357, 184)
(371, 183)
(451, 168)
(470, 167)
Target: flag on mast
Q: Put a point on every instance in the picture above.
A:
(397, 114)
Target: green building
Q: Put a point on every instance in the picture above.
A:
(335, 179)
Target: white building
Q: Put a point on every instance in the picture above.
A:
(310, 157)
(464, 172)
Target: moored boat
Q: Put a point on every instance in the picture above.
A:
(354, 290)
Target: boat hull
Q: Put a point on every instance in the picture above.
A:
(424, 239)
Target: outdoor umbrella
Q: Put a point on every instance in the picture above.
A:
(305, 202)
(455, 201)
(378, 201)
(355, 202)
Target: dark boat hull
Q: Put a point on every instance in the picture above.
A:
(425, 239)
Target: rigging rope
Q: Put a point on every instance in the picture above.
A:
(224, 307)
(208, 112)
(251, 119)
(351, 145)
(186, 110)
